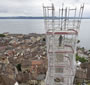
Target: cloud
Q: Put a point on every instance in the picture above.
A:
(34, 7)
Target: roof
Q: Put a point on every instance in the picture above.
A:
(4, 80)
(16, 83)
(37, 62)
(40, 77)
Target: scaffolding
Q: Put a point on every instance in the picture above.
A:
(61, 36)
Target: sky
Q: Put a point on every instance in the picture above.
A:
(34, 7)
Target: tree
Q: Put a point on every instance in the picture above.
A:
(2, 35)
(18, 66)
(81, 59)
(78, 41)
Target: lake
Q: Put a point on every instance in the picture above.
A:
(26, 26)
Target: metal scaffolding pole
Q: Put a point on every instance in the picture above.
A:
(61, 44)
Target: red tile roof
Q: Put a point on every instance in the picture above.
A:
(37, 62)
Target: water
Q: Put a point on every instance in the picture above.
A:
(84, 34)
(26, 26)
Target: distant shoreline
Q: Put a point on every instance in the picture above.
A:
(23, 17)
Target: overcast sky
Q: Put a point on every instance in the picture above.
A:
(34, 7)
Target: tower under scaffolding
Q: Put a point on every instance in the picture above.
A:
(61, 33)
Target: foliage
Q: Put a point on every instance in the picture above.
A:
(78, 41)
(78, 84)
(2, 35)
(81, 59)
(18, 66)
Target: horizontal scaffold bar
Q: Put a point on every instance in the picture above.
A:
(63, 32)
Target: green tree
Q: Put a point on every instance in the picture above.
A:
(18, 66)
(2, 35)
(78, 41)
(81, 59)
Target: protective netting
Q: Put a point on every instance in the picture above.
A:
(61, 32)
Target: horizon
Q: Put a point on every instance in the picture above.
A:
(36, 17)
